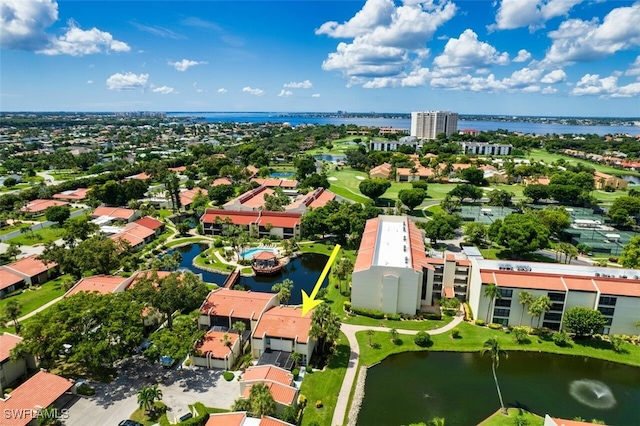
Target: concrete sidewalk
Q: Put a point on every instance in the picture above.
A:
(352, 368)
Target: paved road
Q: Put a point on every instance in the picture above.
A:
(37, 226)
(352, 368)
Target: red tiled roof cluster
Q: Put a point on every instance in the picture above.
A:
(284, 322)
(276, 219)
(39, 206)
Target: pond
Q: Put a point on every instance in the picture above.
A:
(334, 158)
(304, 271)
(632, 179)
(418, 386)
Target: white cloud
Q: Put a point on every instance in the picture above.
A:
(89, 81)
(315, 95)
(185, 64)
(164, 90)
(285, 93)
(256, 92)
(468, 52)
(79, 42)
(158, 31)
(607, 87)
(555, 76)
(634, 68)
(23, 25)
(523, 80)
(127, 81)
(530, 13)
(389, 42)
(549, 90)
(222, 90)
(298, 85)
(523, 56)
(576, 40)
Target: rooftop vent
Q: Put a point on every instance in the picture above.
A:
(597, 274)
(404, 248)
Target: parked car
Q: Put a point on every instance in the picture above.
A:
(129, 423)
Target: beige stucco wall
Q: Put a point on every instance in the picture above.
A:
(11, 371)
(626, 315)
(388, 289)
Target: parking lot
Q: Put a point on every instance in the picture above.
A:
(180, 387)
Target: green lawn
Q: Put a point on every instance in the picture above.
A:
(496, 253)
(499, 419)
(41, 236)
(472, 338)
(400, 325)
(34, 297)
(141, 416)
(13, 188)
(189, 240)
(325, 385)
(548, 157)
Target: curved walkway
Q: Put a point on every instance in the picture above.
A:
(352, 367)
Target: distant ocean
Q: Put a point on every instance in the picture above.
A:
(405, 123)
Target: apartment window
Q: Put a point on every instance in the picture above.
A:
(607, 300)
(552, 316)
(551, 325)
(501, 321)
(557, 307)
(506, 303)
(556, 297)
(609, 321)
(501, 312)
(607, 311)
(506, 292)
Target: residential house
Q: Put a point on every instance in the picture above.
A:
(383, 171)
(603, 180)
(139, 176)
(155, 225)
(276, 183)
(313, 200)
(218, 349)
(40, 391)
(187, 196)
(38, 207)
(32, 270)
(251, 171)
(389, 271)
(12, 370)
(252, 200)
(404, 174)
(102, 284)
(137, 236)
(278, 380)
(257, 223)
(9, 282)
(72, 195)
(222, 181)
(241, 419)
(109, 214)
(283, 328)
(224, 307)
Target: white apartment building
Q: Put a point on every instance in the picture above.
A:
(392, 274)
(485, 148)
(428, 124)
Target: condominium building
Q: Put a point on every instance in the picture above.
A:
(392, 274)
(428, 124)
(485, 148)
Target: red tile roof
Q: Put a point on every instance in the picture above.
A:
(516, 279)
(239, 304)
(8, 341)
(222, 181)
(150, 223)
(7, 279)
(285, 322)
(178, 169)
(618, 287)
(276, 182)
(276, 219)
(213, 344)
(30, 266)
(114, 212)
(268, 372)
(418, 255)
(253, 198)
(139, 176)
(102, 284)
(74, 194)
(367, 249)
(226, 419)
(40, 391)
(38, 206)
(270, 421)
(282, 394)
(564, 422)
(280, 219)
(187, 196)
(134, 234)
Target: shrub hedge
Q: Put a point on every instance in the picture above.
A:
(480, 322)
(494, 326)
(296, 373)
(422, 339)
(228, 376)
(372, 313)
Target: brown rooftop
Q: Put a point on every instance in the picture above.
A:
(285, 322)
(238, 304)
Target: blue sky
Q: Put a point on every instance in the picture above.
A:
(516, 57)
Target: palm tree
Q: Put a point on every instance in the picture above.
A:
(296, 357)
(262, 403)
(394, 335)
(524, 298)
(544, 305)
(370, 334)
(147, 397)
(284, 290)
(239, 327)
(492, 292)
(493, 347)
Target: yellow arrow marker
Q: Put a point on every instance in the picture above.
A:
(310, 302)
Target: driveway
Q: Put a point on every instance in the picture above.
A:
(180, 387)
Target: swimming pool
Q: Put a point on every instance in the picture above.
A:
(248, 254)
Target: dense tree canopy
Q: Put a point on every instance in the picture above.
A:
(466, 191)
(624, 210)
(555, 219)
(374, 188)
(536, 192)
(584, 321)
(520, 233)
(344, 220)
(91, 330)
(630, 257)
(412, 198)
(57, 214)
(441, 227)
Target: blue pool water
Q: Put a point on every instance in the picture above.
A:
(248, 254)
(281, 174)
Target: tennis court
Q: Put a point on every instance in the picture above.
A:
(484, 214)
